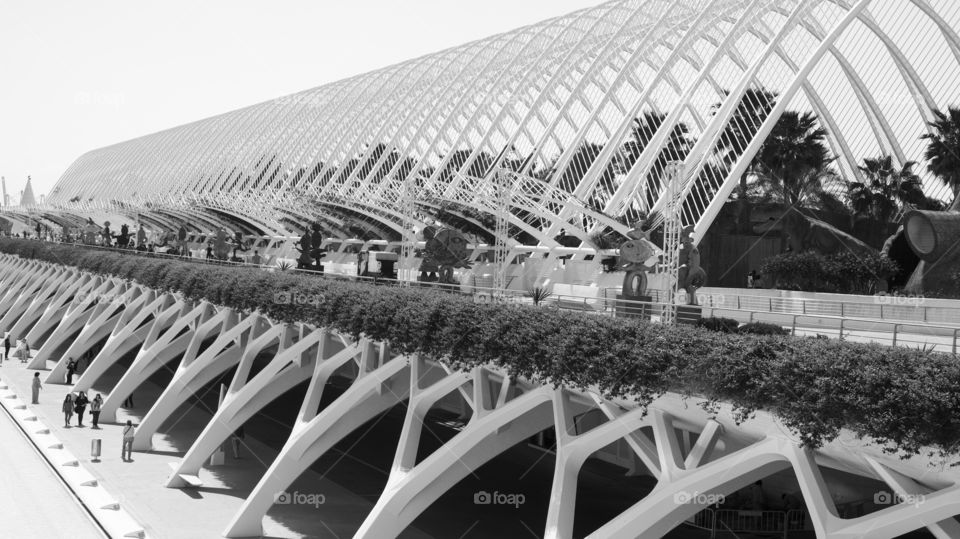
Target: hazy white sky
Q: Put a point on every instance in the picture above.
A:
(81, 75)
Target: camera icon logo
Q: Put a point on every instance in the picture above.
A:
(281, 498)
(882, 498)
(282, 298)
(482, 498)
(681, 498)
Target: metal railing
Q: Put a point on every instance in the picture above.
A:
(734, 521)
(881, 307)
(803, 323)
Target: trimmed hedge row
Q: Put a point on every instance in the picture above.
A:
(904, 398)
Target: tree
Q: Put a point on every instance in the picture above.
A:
(943, 149)
(885, 189)
(795, 161)
(752, 110)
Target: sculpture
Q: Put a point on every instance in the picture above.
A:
(446, 250)
(638, 256)
(141, 237)
(90, 232)
(181, 242)
(316, 241)
(304, 261)
(221, 249)
(106, 235)
(690, 276)
(935, 238)
(124, 238)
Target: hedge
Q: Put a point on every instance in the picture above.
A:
(906, 399)
(841, 273)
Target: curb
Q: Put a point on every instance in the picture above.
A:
(101, 506)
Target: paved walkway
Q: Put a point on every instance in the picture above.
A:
(33, 501)
(187, 513)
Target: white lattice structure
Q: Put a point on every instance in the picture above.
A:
(682, 446)
(594, 104)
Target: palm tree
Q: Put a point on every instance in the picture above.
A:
(943, 150)
(794, 161)
(751, 112)
(885, 189)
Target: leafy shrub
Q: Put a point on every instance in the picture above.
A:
(842, 273)
(761, 328)
(905, 398)
(723, 325)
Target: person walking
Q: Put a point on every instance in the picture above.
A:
(67, 409)
(95, 406)
(6, 347)
(129, 431)
(35, 388)
(71, 368)
(80, 405)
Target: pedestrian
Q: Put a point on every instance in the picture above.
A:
(209, 252)
(129, 431)
(67, 409)
(6, 346)
(71, 368)
(751, 278)
(236, 440)
(256, 260)
(95, 406)
(128, 402)
(35, 388)
(80, 405)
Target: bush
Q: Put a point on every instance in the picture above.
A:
(841, 273)
(908, 399)
(723, 325)
(760, 328)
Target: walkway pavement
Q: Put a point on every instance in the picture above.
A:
(33, 500)
(187, 513)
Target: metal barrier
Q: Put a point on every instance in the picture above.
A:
(734, 521)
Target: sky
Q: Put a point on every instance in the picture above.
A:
(76, 76)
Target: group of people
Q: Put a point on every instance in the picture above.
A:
(22, 352)
(78, 405)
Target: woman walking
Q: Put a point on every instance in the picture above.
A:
(80, 404)
(6, 347)
(95, 406)
(35, 388)
(67, 409)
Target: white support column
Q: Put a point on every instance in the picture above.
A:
(132, 334)
(909, 491)
(661, 510)
(74, 320)
(156, 352)
(476, 444)
(267, 385)
(359, 404)
(192, 375)
(102, 324)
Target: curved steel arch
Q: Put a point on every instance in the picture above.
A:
(540, 92)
